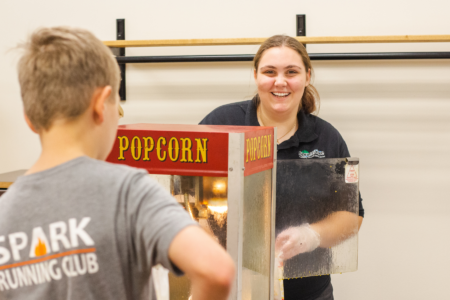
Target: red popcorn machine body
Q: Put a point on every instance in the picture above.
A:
(224, 176)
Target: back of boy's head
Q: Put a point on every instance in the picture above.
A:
(59, 72)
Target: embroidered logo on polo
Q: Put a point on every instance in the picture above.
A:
(312, 154)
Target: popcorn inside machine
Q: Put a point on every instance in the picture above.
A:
(224, 176)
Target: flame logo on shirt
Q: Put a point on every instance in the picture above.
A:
(40, 249)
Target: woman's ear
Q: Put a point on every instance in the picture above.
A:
(308, 77)
(254, 74)
(100, 96)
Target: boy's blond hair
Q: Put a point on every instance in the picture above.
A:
(59, 72)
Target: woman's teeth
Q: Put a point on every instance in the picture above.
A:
(281, 94)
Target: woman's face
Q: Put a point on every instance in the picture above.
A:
(281, 79)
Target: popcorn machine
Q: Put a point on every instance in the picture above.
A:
(224, 176)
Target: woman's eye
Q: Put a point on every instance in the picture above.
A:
(292, 72)
(268, 72)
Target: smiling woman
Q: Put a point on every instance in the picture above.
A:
(282, 71)
(286, 100)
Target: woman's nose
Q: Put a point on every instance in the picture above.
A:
(280, 81)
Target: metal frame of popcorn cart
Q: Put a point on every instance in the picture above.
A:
(243, 154)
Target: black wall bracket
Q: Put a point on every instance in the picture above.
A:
(301, 26)
(118, 52)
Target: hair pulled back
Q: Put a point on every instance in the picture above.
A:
(310, 99)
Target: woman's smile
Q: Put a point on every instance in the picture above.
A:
(280, 95)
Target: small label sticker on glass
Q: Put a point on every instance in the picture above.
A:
(351, 173)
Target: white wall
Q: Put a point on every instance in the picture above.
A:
(394, 115)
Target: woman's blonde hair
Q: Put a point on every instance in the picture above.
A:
(310, 99)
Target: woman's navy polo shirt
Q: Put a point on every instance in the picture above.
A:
(314, 138)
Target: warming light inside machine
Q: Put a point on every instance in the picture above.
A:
(215, 189)
(218, 209)
(219, 187)
(217, 198)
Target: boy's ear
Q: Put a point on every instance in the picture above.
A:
(100, 96)
(29, 123)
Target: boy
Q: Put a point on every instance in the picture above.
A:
(75, 227)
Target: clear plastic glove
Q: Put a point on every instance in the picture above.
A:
(296, 240)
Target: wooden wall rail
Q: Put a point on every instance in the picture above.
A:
(304, 40)
(7, 179)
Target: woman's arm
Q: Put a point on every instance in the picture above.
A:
(337, 227)
(332, 230)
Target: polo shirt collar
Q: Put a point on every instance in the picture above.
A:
(304, 134)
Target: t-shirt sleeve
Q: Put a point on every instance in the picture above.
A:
(155, 219)
(343, 152)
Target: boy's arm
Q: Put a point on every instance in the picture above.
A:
(164, 233)
(206, 263)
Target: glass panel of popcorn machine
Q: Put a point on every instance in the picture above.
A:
(311, 193)
(257, 234)
(205, 199)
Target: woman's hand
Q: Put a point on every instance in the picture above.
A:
(296, 240)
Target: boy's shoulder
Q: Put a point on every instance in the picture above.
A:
(90, 167)
(80, 187)
(107, 169)
(80, 174)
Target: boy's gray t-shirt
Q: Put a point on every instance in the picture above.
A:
(85, 229)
